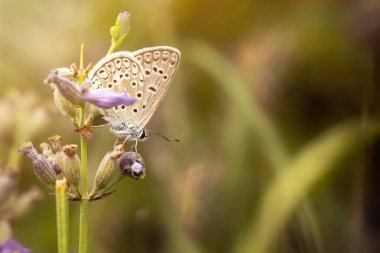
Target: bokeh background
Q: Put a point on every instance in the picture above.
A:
(276, 104)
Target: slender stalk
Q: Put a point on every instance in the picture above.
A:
(62, 216)
(83, 216)
(111, 49)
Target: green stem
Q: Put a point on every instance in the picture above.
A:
(83, 218)
(111, 49)
(62, 216)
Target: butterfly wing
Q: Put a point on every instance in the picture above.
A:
(119, 72)
(145, 74)
(159, 65)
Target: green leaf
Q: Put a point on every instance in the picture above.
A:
(299, 177)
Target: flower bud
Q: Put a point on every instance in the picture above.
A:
(108, 173)
(28, 150)
(41, 166)
(47, 151)
(66, 108)
(121, 28)
(132, 165)
(59, 156)
(68, 89)
(71, 165)
(56, 142)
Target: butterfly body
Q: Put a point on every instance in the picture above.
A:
(144, 75)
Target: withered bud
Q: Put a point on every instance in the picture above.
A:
(47, 151)
(68, 89)
(41, 166)
(108, 173)
(71, 165)
(56, 142)
(28, 150)
(132, 165)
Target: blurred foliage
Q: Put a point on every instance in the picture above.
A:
(276, 104)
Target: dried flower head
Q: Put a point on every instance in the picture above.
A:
(71, 165)
(42, 167)
(132, 165)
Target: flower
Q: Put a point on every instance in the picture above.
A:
(72, 94)
(106, 99)
(132, 165)
(42, 167)
(67, 88)
(12, 246)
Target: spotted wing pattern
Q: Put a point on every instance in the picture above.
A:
(119, 72)
(159, 66)
(145, 74)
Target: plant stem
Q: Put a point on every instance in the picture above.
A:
(111, 49)
(62, 216)
(83, 216)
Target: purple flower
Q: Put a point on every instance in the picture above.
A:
(66, 87)
(132, 165)
(106, 99)
(42, 167)
(11, 246)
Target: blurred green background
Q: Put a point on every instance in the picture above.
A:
(275, 103)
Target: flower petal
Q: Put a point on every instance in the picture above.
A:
(12, 245)
(66, 87)
(107, 99)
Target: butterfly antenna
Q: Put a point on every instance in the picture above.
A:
(164, 136)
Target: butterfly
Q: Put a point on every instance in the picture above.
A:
(146, 76)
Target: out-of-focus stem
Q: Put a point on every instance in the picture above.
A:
(62, 216)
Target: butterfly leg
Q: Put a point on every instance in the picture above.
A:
(134, 146)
